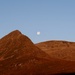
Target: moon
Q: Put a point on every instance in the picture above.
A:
(38, 33)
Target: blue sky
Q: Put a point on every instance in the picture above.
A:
(55, 19)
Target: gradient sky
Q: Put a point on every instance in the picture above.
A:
(55, 19)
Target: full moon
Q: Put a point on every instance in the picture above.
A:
(38, 33)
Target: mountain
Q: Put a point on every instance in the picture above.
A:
(19, 56)
(59, 49)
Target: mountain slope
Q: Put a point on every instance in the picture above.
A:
(59, 49)
(19, 56)
(17, 51)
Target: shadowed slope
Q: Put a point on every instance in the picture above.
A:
(59, 49)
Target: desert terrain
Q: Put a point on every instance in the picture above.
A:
(20, 56)
(59, 49)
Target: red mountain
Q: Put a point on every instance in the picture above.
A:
(59, 49)
(19, 56)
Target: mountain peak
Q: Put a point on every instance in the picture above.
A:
(16, 32)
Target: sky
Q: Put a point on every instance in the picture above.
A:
(54, 19)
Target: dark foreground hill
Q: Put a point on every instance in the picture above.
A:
(19, 56)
